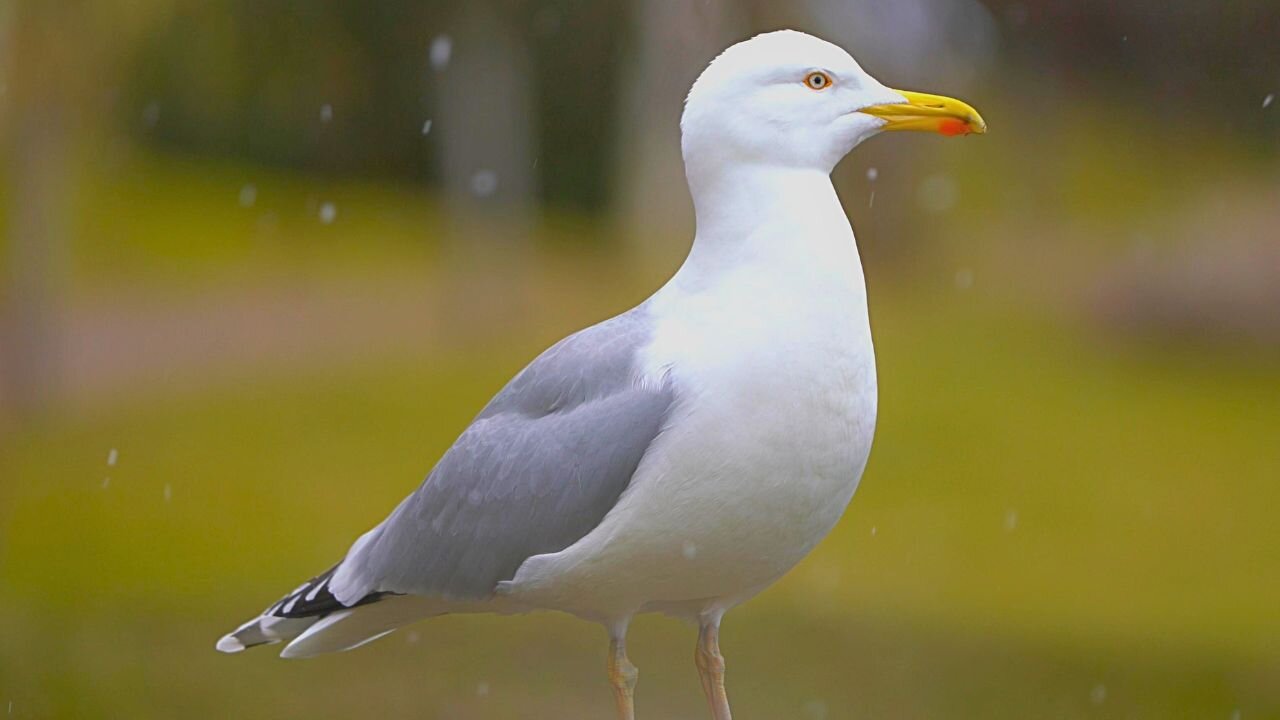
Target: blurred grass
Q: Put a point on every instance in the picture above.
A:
(1050, 526)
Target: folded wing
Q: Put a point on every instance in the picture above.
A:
(538, 469)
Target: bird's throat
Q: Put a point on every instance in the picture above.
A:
(778, 222)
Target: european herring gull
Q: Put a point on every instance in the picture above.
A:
(684, 455)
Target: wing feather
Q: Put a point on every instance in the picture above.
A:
(538, 469)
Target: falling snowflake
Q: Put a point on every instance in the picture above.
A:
(328, 213)
(689, 550)
(964, 279)
(484, 183)
(1010, 520)
(426, 127)
(441, 51)
(112, 456)
(326, 113)
(1266, 101)
(482, 689)
(1098, 694)
(872, 174)
(938, 193)
(248, 195)
(151, 114)
(168, 492)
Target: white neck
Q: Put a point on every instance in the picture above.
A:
(784, 222)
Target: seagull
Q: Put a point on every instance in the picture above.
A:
(680, 457)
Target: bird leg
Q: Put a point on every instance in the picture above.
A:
(711, 669)
(622, 675)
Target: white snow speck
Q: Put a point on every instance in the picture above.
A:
(815, 710)
(872, 174)
(1010, 520)
(326, 113)
(1235, 715)
(168, 492)
(112, 456)
(248, 195)
(151, 114)
(1266, 101)
(938, 193)
(441, 51)
(1098, 694)
(964, 279)
(874, 529)
(426, 127)
(482, 689)
(412, 637)
(106, 483)
(484, 183)
(689, 550)
(871, 202)
(328, 213)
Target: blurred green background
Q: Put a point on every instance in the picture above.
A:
(263, 259)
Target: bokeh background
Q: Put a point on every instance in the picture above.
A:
(263, 259)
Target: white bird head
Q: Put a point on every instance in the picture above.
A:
(789, 99)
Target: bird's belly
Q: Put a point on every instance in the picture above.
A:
(733, 514)
(751, 474)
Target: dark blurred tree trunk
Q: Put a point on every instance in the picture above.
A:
(37, 138)
(674, 42)
(484, 118)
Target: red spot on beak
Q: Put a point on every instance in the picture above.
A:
(952, 127)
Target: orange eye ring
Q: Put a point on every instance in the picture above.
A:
(818, 80)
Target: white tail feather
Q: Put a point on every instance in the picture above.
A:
(348, 629)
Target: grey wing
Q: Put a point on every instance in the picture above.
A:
(536, 471)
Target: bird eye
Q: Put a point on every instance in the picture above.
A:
(818, 80)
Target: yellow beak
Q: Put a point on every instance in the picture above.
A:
(929, 113)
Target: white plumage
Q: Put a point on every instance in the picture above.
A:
(682, 456)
